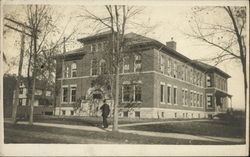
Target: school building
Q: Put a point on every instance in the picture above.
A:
(156, 81)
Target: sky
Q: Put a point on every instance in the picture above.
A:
(167, 22)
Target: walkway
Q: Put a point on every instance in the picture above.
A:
(143, 133)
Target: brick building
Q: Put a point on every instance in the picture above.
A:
(157, 80)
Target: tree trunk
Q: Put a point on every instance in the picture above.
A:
(115, 118)
(33, 79)
(14, 109)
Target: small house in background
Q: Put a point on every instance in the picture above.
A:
(43, 104)
(156, 81)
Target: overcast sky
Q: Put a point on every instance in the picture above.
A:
(168, 21)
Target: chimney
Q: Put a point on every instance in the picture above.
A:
(171, 44)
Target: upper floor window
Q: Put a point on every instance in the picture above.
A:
(208, 80)
(175, 70)
(168, 66)
(126, 64)
(194, 77)
(137, 63)
(94, 47)
(73, 69)
(103, 67)
(161, 64)
(66, 71)
(191, 75)
(183, 96)
(93, 67)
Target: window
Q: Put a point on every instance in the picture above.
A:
(175, 95)
(198, 78)
(169, 94)
(191, 98)
(209, 100)
(65, 94)
(201, 100)
(208, 81)
(125, 114)
(126, 93)
(137, 114)
(138, 92)
(182, 71)
(162, 64)
(162, 92)
(71, 112)
(175, 115)
(191, 75)
(100, 48)
(94, 47)
(63, 112)
(48, 93)
(194, 77)
(93, 67)
(73, 94)
(73, 70)
(138, 62)
(198, 99)
(186, 97)
(175, 70)
(183, 96)
(126, 64)
(194, 99)
(103, 67)
(169, 66)
(66, 72)
(38, 92)
(20, 102)
(20, 90)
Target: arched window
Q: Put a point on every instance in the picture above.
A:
(73, 69)
(103, 67)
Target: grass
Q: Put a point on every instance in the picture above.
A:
(87, 121)
(203, 128)
(52, 135)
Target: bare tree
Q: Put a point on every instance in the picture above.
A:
(116, 20)
(227, 35)
(43, 21)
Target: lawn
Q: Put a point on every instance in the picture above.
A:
(87, 121)
(40, 134)
(218, 128)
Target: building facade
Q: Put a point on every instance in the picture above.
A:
(43, 99)
(156, 81)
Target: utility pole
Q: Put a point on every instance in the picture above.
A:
(16, 98)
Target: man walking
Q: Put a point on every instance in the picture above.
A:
(105, 112)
